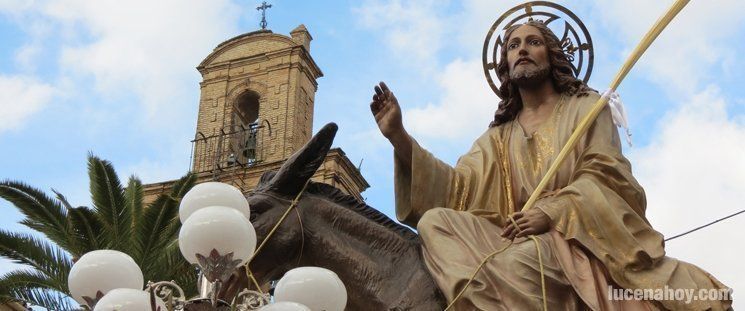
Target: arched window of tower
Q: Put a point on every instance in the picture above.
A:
(245, 121)
(246, 109)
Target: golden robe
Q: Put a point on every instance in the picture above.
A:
(600, 236)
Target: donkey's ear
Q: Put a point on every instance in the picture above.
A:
(301, 166)
(266, 178)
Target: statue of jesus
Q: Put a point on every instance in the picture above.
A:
(590, 223)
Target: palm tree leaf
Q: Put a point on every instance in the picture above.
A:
(183, 185)
(155, 218)
(173, 266)
(43, 213)
(133, 196)
(109, 202)
(183, 272)
(74, 246)
(45, 257)
(62, 199)
(118, 220)
(35, 288)
(179, 189)
(159, 224)
(49, 300)
(87, 230)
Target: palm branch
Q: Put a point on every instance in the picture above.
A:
(32, 287)
(109, 204)
(117, 220)
(43, 214)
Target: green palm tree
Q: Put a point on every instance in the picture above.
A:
(118, 220)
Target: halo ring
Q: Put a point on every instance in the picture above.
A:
(575, 41)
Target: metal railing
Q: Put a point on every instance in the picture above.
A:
(236, 146)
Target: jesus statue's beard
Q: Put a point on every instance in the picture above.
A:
(530, 78)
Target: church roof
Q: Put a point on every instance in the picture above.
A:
(274, 42)
(248, 34)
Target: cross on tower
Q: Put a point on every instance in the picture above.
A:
(263, 8)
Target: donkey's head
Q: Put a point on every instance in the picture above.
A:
(274, 194)
(376, 258)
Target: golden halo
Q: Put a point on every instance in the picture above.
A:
(577, 45)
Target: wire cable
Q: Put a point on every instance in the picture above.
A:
(704, 226)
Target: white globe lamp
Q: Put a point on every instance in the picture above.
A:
(100, 271)
(317, 288)
(213, 194)
(125, 299)
(220, 237)
(285, 306)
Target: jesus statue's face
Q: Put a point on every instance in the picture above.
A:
(527, 56)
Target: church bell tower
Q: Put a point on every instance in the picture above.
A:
(259, 89)
(256, 109)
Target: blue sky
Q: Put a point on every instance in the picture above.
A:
(118, 78)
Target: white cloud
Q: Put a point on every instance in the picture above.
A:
(693, 172)
(26, 57)
(700, 39)
(476, 19)
(14, 6)
(149, 171)
(413, 30)
(170, 165)
(20, 98)
(144, 48)
(463, 111)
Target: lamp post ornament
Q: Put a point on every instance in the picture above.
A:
(263, 8)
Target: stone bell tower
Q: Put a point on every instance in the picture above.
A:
(256, 109)
(263, 84)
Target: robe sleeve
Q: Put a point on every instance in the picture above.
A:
(602, 207)
(432, 183)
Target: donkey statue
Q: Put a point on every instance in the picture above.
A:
(379, 260)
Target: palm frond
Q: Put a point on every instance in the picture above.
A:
(173, 266)
(74, 244)
(150, 234)
(43, 213)
(109, 202)
(34, 288)
(179, 189)
(118, 220)
(133, 199)
(87, 229)
(50, 300)
(159, 226)
(62, 199)
(183, 185)
(46, 258)
(84, 229)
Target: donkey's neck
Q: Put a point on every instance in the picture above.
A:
(359, 250)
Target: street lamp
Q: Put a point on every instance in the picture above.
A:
(217, 235)
(98, 272)
(127, 299)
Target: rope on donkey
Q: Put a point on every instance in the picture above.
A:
(271, 232)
